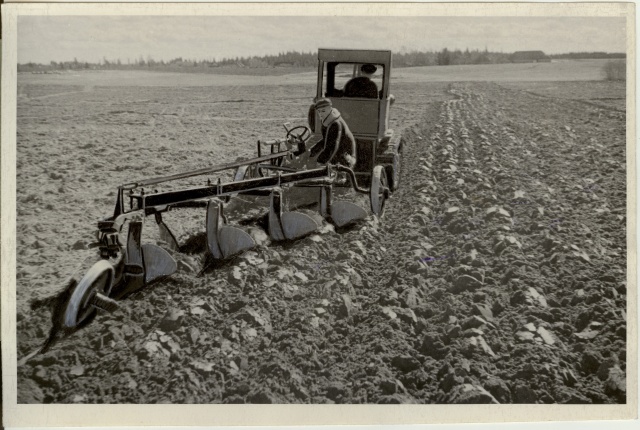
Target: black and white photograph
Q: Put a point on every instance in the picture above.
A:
(356, 208)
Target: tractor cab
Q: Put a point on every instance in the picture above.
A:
(365, 108)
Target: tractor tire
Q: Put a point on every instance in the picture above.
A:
(379, 190)
(393, 172)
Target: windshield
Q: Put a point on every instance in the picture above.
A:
(349, 80)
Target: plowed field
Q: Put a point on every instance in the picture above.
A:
(497, 274)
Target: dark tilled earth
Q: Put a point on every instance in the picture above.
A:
(497, 274)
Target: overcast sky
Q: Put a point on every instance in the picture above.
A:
(43, 39)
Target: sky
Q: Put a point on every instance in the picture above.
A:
(42, 39)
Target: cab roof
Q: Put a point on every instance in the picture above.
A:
(360, 56)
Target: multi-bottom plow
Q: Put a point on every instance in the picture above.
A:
(126, 266)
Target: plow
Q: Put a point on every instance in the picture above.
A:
(280, 177)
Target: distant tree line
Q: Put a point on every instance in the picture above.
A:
(283, 59)
(588, 55)
(447, 57)
(444, 57)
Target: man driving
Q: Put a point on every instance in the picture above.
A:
(338, 146)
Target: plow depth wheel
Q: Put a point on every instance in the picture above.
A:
(79, 307)
(379, 190)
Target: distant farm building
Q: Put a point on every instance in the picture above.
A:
(529, 57)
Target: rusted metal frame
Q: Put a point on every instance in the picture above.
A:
(204, 171)
(270, 143)
(352, 177)
(317, 177)
(280, 168)
(219, 190)
(319, 92)
(200, 203)
(109, 230)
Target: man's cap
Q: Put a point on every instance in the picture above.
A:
(368, 68)
(323, 103)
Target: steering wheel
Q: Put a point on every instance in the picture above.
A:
(301, 133)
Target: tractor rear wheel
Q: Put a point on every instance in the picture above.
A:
(393, 172)
(379, 190)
